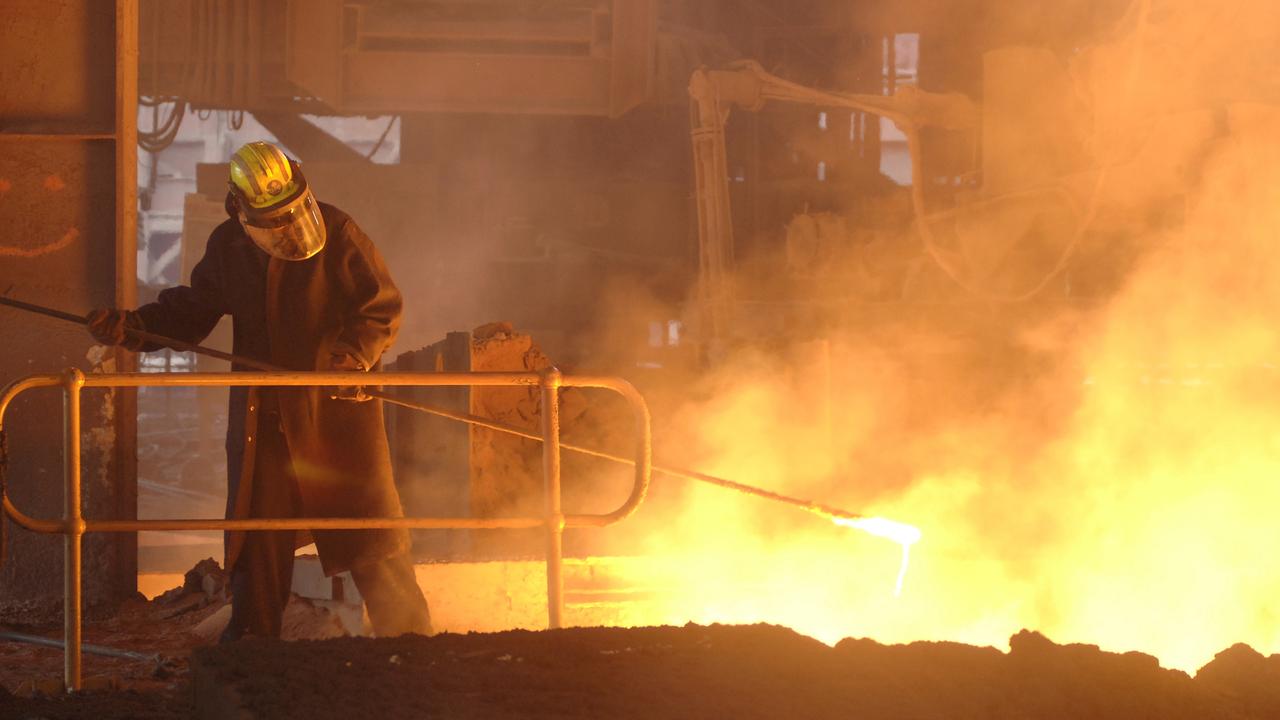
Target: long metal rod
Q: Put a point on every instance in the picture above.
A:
(42, 310)
(389, 379)
(332, 378)
(74, 530)
(551, 381)
(142, 335)
(84, 647)
(125, 410)
(817, 508)
(325, 523)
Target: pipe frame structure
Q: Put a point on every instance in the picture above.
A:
(73, 525)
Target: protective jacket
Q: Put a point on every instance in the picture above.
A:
(296, 314)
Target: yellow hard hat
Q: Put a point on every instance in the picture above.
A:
(262, 173)
(275, 204)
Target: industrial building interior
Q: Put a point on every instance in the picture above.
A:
(912, 355)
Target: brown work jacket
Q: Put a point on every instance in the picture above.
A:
(295, 315)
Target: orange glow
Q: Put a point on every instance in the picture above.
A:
(1108, 477)
(901, 533)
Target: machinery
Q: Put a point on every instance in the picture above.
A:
(1045, 210)
(749, 87)
(348, 58)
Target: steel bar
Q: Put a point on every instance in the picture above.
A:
(824, 510)
(322, 523)
(398, 379)
(84, 647)
(181, 346)
(41, 310)
(141, 334)
(74, 529)
(303, 523)
(125, 411)
(335, 378)
(551, 381)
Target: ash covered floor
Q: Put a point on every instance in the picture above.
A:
(693, 671)
(757, 671)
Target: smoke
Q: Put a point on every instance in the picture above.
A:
(1098, 464)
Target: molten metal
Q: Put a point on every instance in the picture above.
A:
(901, 533)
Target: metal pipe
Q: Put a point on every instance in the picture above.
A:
(643, 469)
(551, 381)
(74, 529)
(817, 508)
(41, 310)
(24, 520)
(125, 412)
(84, 647)
(642, 462)
(292, 378)
(302, 523)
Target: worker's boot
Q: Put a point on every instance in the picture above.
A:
(391, 595)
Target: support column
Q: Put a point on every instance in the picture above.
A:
(551, 380)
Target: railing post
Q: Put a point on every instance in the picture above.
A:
(551, 381)
(73, 529)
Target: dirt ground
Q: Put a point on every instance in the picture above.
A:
(143, 689)
(693, 671)
(755, 671)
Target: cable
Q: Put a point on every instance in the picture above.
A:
(163, 134)
(1087, 218)
(381, 138)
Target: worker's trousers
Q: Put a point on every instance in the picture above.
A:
(262, 575)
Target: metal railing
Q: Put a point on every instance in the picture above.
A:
(73, 525)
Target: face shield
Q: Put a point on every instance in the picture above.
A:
(292, 229)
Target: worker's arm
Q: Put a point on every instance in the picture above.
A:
(186, 312)
(373, 307)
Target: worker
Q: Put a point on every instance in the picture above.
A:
(306, 290)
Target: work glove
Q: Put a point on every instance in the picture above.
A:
(342, 362)
(110, 326)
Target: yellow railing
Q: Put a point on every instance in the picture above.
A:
(73, 525)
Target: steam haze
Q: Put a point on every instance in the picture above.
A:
(1098, 463)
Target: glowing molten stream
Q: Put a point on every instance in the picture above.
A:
(901, 533)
